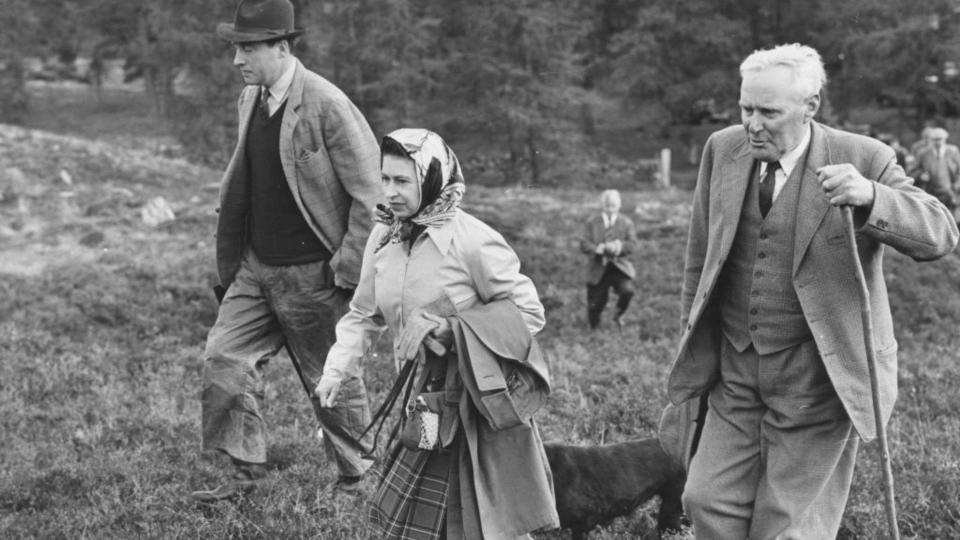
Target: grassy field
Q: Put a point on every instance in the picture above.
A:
(102, 322)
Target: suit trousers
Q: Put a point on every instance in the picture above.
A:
(777, 453)
(598, 294)
(264, 308)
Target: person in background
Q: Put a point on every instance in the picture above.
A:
(922, 142)
(937, 169)
(899, 150)
(608, 241)
(772, 330)
(295, 211)
(429, 268)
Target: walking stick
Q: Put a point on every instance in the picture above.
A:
(872, 368)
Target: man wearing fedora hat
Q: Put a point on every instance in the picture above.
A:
(295, 211)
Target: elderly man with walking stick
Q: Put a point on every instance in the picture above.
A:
(773, 335)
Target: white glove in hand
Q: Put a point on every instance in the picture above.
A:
(412, 335)
(327, 390)
(440, 338)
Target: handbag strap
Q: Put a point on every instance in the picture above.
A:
(404, 379)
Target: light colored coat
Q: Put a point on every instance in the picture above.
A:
(331, 161)
(903, 217)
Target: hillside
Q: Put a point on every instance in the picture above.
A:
(103, 318)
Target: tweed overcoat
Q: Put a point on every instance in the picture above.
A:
(903, 217)
(331, 161)
(623, 230)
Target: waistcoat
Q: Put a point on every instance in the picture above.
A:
(757, 301)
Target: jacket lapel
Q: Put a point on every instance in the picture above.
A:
(247, 103)
(735, 176)
(290, 118)
(813, 204)
(246, 110)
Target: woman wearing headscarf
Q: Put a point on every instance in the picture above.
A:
(443, 282)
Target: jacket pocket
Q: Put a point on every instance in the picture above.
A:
(313, 165)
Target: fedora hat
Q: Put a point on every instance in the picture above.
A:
(260, 20)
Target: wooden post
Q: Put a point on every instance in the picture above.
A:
(665, 167)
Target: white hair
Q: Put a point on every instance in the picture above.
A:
(939, 133)
(803, 61)
(610, 194)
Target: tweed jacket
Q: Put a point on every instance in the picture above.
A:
(623, 230)
(331, 161)
(903, 217)
(927, 161)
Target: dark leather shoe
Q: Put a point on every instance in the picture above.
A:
(348, 484)
(618, 320)
(345, 484)
(224, 492)
(246, 479)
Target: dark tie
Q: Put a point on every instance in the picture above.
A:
(767, 183)
(264, 106)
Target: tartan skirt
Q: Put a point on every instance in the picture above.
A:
(411, 501)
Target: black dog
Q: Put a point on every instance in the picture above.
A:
(595, 484)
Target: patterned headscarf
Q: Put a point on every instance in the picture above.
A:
(440, 195)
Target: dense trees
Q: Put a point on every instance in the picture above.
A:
(527, 80)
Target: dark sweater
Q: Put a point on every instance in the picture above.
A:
(279, 234)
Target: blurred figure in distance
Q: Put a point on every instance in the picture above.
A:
(937, 169)
(608, 240)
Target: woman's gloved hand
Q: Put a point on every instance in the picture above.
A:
(327, 390)
(426, 329)
(408, 343)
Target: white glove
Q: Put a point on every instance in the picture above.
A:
(327, 390)
(411, 337)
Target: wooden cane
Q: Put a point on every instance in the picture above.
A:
(888, 492)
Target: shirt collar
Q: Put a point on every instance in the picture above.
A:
(789, 160)
(278, 90)
(441, 236)
(608, 221)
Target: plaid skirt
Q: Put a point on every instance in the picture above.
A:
(411, 502)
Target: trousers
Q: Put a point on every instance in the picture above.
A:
(777, 452)
(598, 294)
(265, 308)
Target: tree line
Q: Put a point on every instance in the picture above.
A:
(533, 78)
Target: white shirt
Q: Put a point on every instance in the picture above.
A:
(788, 162)
(464, 259)
(278, 90)
(608, 221)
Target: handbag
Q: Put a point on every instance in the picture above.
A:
(421, 430)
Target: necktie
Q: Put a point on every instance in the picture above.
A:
(608, 233)
(767, 183)
(264, 106)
